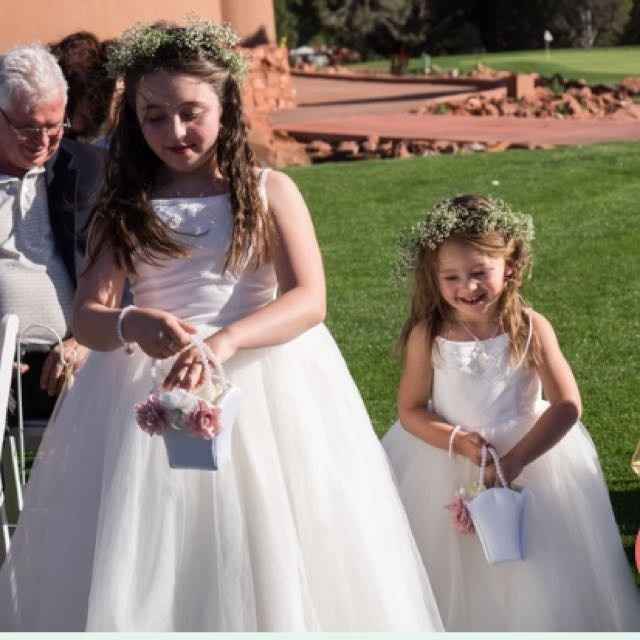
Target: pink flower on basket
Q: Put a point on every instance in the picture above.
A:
(462, 521)
(151, 415)
(204, 421)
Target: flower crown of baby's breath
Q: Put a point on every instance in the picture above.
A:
(139, 45)
(449, 218)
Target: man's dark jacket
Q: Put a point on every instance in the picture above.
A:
(74, 178)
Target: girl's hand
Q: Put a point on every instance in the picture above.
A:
(159, 334)
(511, 469)
(53, 372)
(469, 444)
(187, 371)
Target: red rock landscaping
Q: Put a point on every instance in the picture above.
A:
(576, 102)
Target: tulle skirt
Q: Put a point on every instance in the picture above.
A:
(575, 576)
(302, 530)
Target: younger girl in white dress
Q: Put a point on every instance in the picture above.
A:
(475, 363)
(303, 529)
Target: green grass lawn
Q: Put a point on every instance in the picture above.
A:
(606, 65)
(586, 277)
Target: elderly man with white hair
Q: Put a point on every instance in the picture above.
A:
(47, 185)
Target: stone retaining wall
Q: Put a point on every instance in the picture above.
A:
(268, 86)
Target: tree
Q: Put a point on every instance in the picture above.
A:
(508, 25)
(286, 22)
(585, 23)
(457, 26)
(632, 30)
(297, 21)
(467, 26)
(382, 26)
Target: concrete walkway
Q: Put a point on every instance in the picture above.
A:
(345, 110)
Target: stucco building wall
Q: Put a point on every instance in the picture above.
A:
(50, 20)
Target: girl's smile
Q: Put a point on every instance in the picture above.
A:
(475, 300)
(470, 281)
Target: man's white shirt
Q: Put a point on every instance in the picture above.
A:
(34, 282)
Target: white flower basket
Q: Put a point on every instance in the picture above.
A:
(498, 516)
(184, 450)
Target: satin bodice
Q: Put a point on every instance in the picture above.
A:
(476, 386)
(197, 288)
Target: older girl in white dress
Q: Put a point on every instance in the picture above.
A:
(303, 529)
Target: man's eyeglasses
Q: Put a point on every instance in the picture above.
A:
(34, 133)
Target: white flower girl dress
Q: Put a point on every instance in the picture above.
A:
(302, 530)
(575, 576)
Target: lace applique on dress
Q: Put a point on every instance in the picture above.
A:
(479, 357)
(185, 216)
(474, 358)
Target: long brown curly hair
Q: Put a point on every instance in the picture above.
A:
(123, 219)
(429, 307)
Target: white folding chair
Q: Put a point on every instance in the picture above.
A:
(30, 432)
(10, 478)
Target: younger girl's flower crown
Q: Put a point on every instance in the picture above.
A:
(139, 46)
(451, 217)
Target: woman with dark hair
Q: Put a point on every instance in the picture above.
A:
(82, 58)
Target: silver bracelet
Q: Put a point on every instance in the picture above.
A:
(128, 346)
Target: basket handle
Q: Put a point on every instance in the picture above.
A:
(484, 453)
(208, 358)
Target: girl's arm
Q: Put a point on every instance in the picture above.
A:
(560, 389)
(413, 395)
(302, 300)
(97, 306)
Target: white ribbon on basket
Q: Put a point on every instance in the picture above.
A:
(498, 515)
(67, 384)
